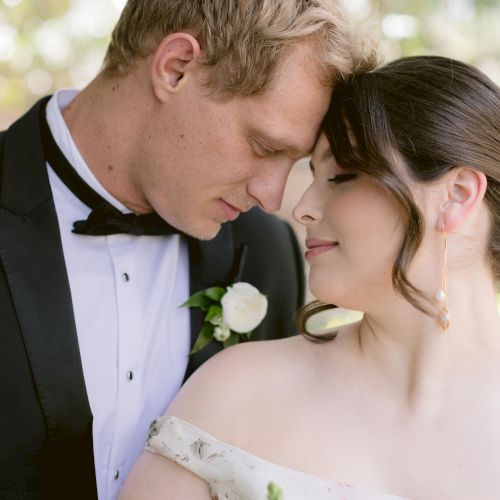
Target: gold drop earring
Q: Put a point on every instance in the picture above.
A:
(441, 295)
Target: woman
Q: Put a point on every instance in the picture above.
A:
(403, 223)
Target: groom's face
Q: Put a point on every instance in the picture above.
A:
(213, 159)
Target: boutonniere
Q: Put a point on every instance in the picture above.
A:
(230, 313)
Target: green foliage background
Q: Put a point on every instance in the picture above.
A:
(48, 44)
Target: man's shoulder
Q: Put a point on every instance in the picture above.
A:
(29, 114)
(3, 135)
(2, 140)
(22, 163)
(25, 129)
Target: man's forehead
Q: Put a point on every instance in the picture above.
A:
(298, 81)
(297, 141)
(289, 128)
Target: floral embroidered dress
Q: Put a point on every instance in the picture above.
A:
(235, 474)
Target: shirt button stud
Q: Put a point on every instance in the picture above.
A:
(117, 474)
(125, 277)
(130, 375)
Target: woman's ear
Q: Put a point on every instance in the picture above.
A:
(464, 189)
(173, 60)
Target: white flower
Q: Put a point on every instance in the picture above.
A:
(222, 333)
(243, 307)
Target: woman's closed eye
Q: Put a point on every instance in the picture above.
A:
(339, 178)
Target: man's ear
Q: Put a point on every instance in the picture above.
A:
(172, 61)
(464, 189)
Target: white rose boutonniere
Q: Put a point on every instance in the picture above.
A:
(231, 313)
(243, 307)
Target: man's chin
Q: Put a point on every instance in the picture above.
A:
(205, 232)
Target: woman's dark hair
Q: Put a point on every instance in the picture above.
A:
(428, 114)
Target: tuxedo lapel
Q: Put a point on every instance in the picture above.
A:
(217, 262)
(32, 256)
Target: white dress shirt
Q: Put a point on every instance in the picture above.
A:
(134, 339)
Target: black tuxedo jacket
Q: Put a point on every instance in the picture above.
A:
(45, 418)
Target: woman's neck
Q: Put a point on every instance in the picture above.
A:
(415, 358)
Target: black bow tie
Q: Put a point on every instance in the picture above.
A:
(104, 219)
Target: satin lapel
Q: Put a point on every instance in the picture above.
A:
(32, 255)
(217, 262)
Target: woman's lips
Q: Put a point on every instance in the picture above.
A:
(316, 247)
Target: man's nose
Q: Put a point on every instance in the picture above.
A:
(268, 185)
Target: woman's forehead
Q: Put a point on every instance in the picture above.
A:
(322, 151)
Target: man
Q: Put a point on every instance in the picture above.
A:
(199, 113)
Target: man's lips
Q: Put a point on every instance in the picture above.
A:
(317, 246)
(230, 211)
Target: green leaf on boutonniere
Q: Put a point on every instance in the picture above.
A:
(274, 492)
(199, 299)
(215, 293)
(214, 315)
(204, 338)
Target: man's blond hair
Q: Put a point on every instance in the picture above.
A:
(242, 41)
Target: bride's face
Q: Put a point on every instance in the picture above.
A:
(354, 231)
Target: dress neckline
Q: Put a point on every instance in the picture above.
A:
(378, 495)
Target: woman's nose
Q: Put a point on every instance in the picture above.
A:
(306, 211)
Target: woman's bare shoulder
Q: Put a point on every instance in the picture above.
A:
(230, 383)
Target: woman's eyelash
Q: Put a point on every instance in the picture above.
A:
(339, 178)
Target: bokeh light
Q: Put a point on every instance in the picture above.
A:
(61, 43)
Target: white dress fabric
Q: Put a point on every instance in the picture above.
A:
(235, 474)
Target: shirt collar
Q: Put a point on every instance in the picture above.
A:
(62, 136)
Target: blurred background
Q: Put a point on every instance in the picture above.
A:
(49, 44)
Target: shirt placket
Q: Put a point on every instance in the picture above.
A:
(129, 353)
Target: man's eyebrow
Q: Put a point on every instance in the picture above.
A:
(294, 150)
(284, 144)
(297, 152)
